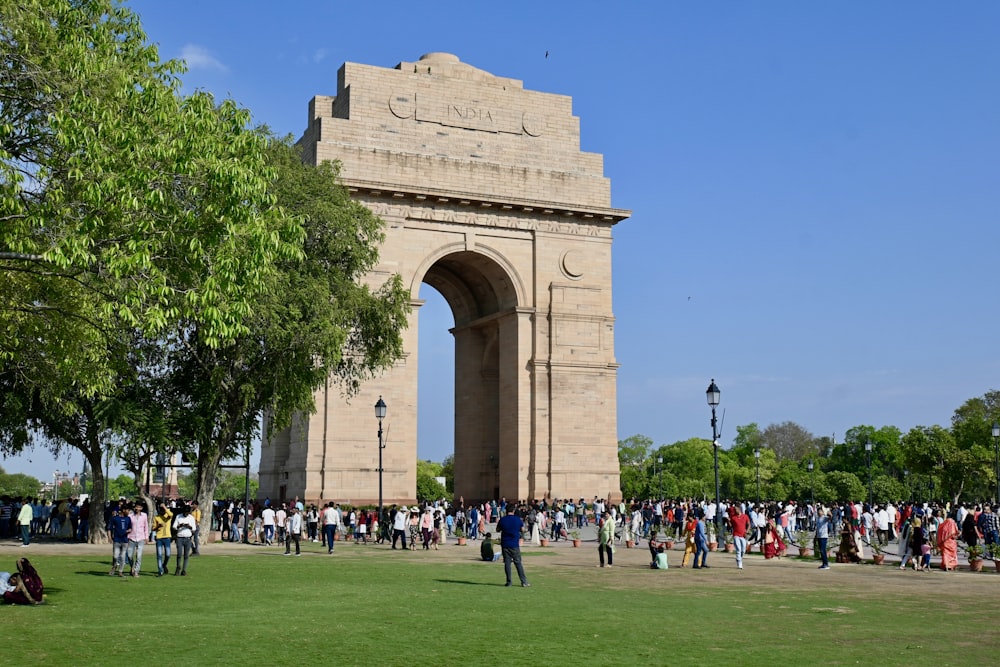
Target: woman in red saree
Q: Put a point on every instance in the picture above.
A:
(947, 535)
(773, 544)
(28, 587)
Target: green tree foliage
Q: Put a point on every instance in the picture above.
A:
(232, 485)
(448, 472)
(429, 488)
(127, 209)
(633, 458)
(19, 485)
(318, 323)
(842, 486)
(122, 486)
(971, 427)
(124, 203)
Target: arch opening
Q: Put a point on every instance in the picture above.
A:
(481, 297)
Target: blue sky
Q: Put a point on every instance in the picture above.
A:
(813, 185)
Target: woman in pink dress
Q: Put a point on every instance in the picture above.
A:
(947, 535)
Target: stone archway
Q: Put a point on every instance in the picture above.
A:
(487, 198)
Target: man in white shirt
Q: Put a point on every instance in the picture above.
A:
(293, 531)
(268, 518)
(399, 526)
(279, 520)
(331, 521)
(882, 525)
(558, 525)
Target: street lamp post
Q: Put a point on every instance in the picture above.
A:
(868, 460)
(756, 455)
(659, 461)
(380, 415)
(812, 484)
(996, 458)
(713, 395)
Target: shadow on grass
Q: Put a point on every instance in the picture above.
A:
(468, 583)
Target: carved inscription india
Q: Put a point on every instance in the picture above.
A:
(466, 115)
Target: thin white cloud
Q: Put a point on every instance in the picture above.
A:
(319, 55)
(198, 57)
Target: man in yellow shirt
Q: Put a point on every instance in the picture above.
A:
(161, 526)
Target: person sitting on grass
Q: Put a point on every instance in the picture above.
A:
(660, 563)
(486, 549)
(654, 545)
(24, 586)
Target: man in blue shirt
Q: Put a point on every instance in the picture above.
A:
(824, 526)
(119, 528)
(510, 527)
(700, 541)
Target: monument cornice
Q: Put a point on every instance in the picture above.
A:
(426, 195)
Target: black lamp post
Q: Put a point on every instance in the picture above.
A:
(868, 460)
(713, 395)
(756, 455)
(380, 415)
(812, 485)
(659, 461)
(996, 458)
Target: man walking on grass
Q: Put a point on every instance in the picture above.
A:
(739, 523)
(510, 527)
(293, 531)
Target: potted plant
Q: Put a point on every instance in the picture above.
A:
(575, 536)
(975, 555)
(994, 552)
(802, 542)
(877, 556)
(543, 541)
(460, 535)
(712, 542)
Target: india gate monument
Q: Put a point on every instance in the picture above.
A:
(487, 198)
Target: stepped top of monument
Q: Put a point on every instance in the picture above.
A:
(449, 65)
(440, 127)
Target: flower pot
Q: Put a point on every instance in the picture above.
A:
(629, 544)
(670, 545)
(543, 542)
(730, 547)
(805, 552)
(878, 559)
(461, 541)
(712, 546)
(976, 565)
(576, 543)
(997, 564)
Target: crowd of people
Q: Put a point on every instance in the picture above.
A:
(847, 530)
(28, 518)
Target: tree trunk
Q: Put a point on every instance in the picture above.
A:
(97, 533)
(207, 479)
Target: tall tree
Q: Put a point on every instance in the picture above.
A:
(125, 208)
(317, 322)
(123, 203)
(633, 455)
(788, 440)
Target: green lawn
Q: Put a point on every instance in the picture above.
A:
(368, 605)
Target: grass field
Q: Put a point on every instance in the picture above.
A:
(368, 605)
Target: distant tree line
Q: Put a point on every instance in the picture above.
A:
(954, 463)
